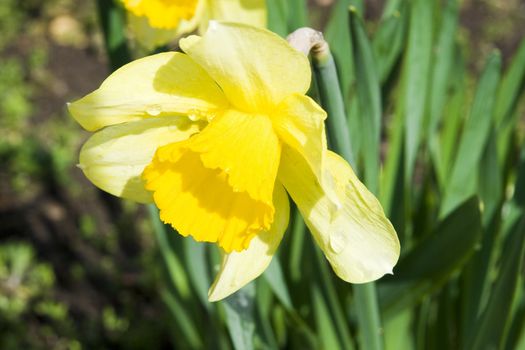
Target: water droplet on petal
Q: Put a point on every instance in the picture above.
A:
(193, 117)
(154, 110)
(337, 241)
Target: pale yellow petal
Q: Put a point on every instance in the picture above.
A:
(252, 12)
(246, 148)
(113, 158)
(198, 201)
(255, 68)
(299, 122)
(147, 36)
(357, 239)
(239, 268)
(165, 84)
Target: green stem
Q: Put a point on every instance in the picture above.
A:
(332, 101)
(365, 295)
(113, 26)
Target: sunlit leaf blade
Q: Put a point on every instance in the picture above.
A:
(277, 15)
(389, 40)
(443, 155)
(332, 102)
(392, 182)
(296, 252)
(327, 287)
(398, 331)
(511, 88)
(195, 258)
(391, 6)
(425, 268)
(417, 70)
(274, 276)
(463, 179)
(369, 97)
(297, 14)
(443, 59)
(264, 298)
(325, 326)
(340, 44)
(240, 309)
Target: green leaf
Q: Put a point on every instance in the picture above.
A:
(274, 276)
(113, 25)
(277, 16)
(463, 179)
(490, 186)
(369, 97)
(240, 319)
(443, 60)
(417, 70)
(389, 41)
(332, 102)
(326, 282)
(492, 326)
(444, 154)
(174, 267)
(297, 14)
(433, 261)
(325, 326)
(196, 261)
(341, 48)
(182, 319)
(340, 44)
(298, 233)
(398, 331)
(512, 86)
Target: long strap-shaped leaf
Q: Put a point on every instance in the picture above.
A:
(426, 268)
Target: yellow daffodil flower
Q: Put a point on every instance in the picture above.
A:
(215, 137)
(157, 22)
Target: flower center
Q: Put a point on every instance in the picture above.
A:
(217, 186)
(162, 14)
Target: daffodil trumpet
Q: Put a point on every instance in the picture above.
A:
(155, 23)
(218, 137)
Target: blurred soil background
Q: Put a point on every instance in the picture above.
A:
(79, 268)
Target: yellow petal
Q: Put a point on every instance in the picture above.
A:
(150, 37)
(251, 12)
(113, 158)
(162, 14)
(357, 239)
(299, 122)
(239, 268)
(198, 201)
(147, 36)
(160, 85)
(246, 148)
(255, 68)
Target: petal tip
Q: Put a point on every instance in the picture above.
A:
(217, 294)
